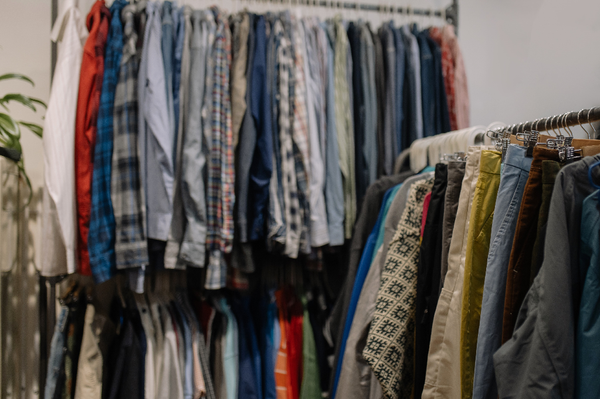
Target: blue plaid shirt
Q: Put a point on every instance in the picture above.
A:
(102, 221)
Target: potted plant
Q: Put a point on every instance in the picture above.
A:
(10, 129)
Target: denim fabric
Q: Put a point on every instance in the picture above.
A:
(262, 162)
(510, 192)
(102, 220)
(179, 30)
(334, 195)
(399, 76)
(193, 247)
(247, 144)
(428, 99)
(55, 361)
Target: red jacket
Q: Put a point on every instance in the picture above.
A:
(88, 102)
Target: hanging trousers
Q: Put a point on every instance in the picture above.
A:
(478, 244)
(515, 170)
(519, 266)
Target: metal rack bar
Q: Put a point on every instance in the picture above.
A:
(450, 13)
(573, 118)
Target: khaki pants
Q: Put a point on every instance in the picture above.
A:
(443, 370)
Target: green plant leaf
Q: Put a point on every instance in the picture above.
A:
(36, 129)
(16, 76)
(9, 126)
(38, 101)
(26, 101)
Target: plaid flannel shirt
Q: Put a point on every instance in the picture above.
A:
(102, 221)
(300, 136)
(127, 196)
(220, 188)
(288, 168)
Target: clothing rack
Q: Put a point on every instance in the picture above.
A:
(573, 118)
(450, 13)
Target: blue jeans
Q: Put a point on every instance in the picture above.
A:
(57, 353)
(512, 183)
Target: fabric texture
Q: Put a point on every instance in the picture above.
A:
(88, 102)
(539, 359)
(442, 379)
(102, 220)
(429, 272)
(519, 266)
(515, 170)
(390, 344)
(456, 173)
(59, 227)
(588, 327)
(127, 195)
(478, 244)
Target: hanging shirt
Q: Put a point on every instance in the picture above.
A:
(300, 135)
(390, 139)
(345, 130)
(290, 188)
(334, 190)
(262, 162)
(155, 132)
(127, 195)
(220, 196)
(195, 147)
(181, 77)
(59, 229)
(314, 70)
(448, 73)
(102, 220)
(88, 102)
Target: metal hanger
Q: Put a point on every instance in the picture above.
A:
(581, 126)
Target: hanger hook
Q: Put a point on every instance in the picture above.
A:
(589, 122)
(581, 126)
(567, 127)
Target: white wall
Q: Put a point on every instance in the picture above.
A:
(530, 59)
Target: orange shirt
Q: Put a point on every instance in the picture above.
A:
(88, 102)
(282, 376)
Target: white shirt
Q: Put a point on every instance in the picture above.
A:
(59, 234)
